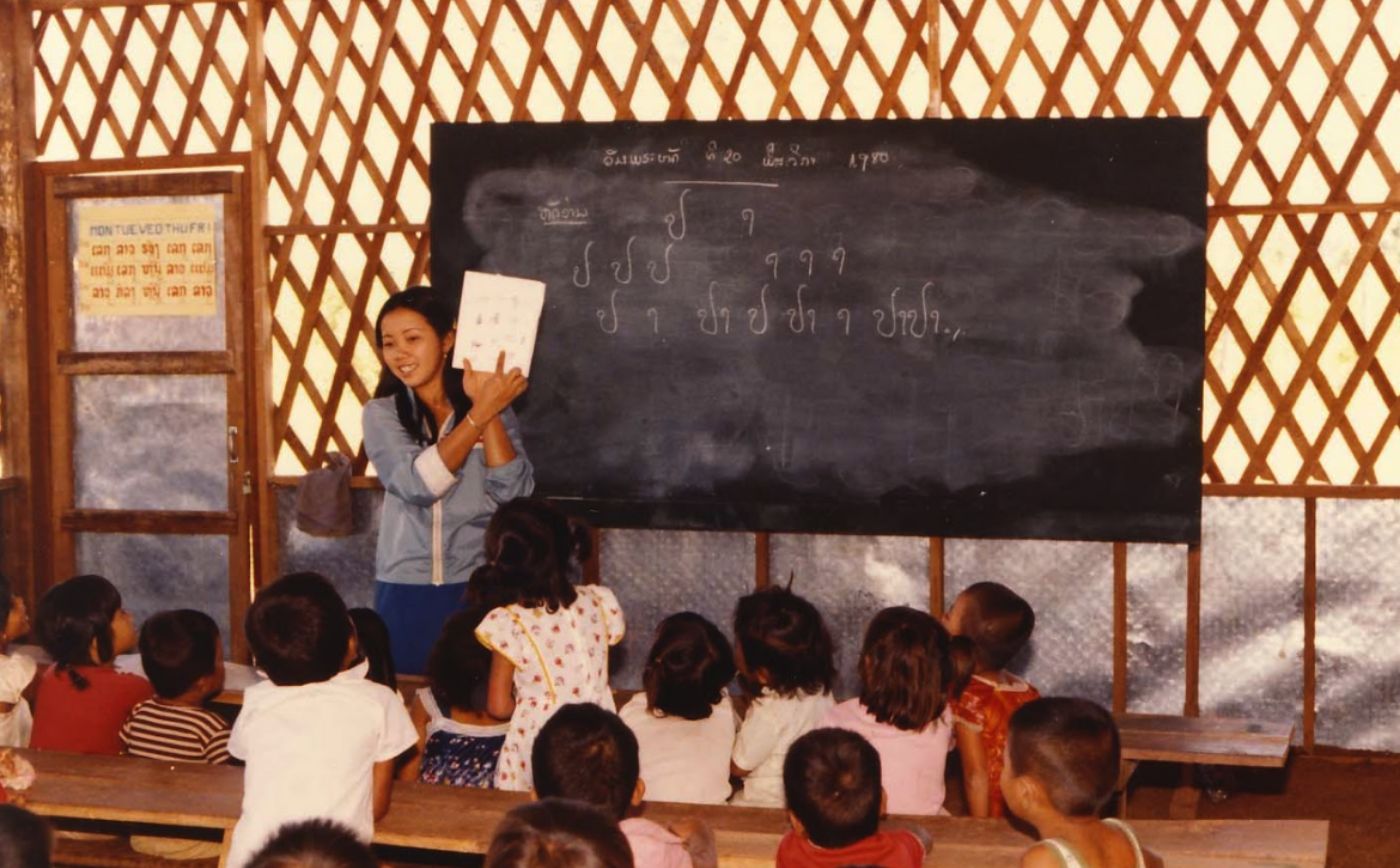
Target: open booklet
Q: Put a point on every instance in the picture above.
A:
(498, 313)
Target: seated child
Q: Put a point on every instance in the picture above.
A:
(784, 657)
(998, 623)
(907, 670)
(589, 754)
(458, 742)
(182, 655)
(558, 833)
(372, 644)
(314, 844)
(25, 839)
(82, 699)
(683, 720)
(1061, 767)
(834, 799)
(16, 671)
(319, 742)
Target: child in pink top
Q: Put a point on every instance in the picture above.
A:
(908, 667)
(82, 699)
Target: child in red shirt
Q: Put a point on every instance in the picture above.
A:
(999, 623)
(831, 778)
(82, 698)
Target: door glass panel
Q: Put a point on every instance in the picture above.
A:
(155, 572)
(150, 442)
(141, 276)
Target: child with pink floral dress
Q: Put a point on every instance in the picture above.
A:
(550, 646)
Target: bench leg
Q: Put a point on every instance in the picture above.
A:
(1186, 799)
(1125, 774)
(223, 852)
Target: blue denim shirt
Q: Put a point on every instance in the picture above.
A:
(433, 520)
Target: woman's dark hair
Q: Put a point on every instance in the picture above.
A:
(372, 634)
(299, 629)
(25, 839)
(688, 667)
(998, 622)
(459, 664)
(558, 833)
(784, 635)
(178, 648)
(1071, 746)
(421, 426)
(70, 616)
(314, 844)
(532, 553)
(7, 600)
(908, 668)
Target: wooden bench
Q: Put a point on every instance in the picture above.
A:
(130, 790)
(1198, 741)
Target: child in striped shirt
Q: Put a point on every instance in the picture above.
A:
(183, 657)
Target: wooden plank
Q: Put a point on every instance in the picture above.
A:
(148, 521)
(762, 566)
(215, 362)
(1295, 491)
(127, 789)
(1204, 726)
(67, 186)
(1192, 704)
(937, 595)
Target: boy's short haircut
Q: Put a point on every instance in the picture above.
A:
(558, 833)
(25, 839)
(831, 778)
(583, 752)
(177, 649)
(299, 629)
(314, 844)
(689, 666)
(784, 635)
(1071, 747)
(1002, 622)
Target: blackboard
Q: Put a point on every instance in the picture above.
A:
(958, 328)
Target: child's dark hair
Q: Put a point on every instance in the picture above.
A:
(1071, 747)
(25, 839)
(459, 664)
(314, 844)
(372, 634)
(298, 628)
(999, 623)
(558, 833)
(71, 616)
(908, 668)
(583, 752)
(688, 668)
(831, 778)
(177, 649)
(784, 635)
(532, 552)
(420, 425)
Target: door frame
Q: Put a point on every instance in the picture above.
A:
(54, 363)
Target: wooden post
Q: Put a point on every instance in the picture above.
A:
(761, 565)
(937, 596)
(1120, 627)
(1309, 622)
(1192, 705)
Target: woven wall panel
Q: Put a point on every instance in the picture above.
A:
(140, 81)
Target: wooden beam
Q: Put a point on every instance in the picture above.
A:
(1120, 627)
(762, 568)
(1322, 492)
(937, 594)
(149, 522)
(1309, 622)
(1192, 705)
(216, 362)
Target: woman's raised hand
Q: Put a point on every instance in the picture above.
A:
(491, 392)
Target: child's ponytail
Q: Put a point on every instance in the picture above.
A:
(963, 656)
(72, 616)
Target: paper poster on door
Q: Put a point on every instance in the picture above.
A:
(147, 260)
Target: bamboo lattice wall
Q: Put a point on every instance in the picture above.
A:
(1304, 138)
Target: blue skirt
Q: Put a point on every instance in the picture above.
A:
(414, 615)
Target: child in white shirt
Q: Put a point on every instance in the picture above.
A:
(318, 742)
(16, 671)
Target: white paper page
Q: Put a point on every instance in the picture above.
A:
(498, 313)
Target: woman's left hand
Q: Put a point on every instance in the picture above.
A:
(492, 392)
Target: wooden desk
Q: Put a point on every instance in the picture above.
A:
(130, 790)
(1198, 741)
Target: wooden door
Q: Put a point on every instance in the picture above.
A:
(144, 375)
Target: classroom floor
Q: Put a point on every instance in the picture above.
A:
(1359, 794)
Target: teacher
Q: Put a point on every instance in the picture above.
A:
(447, 451)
